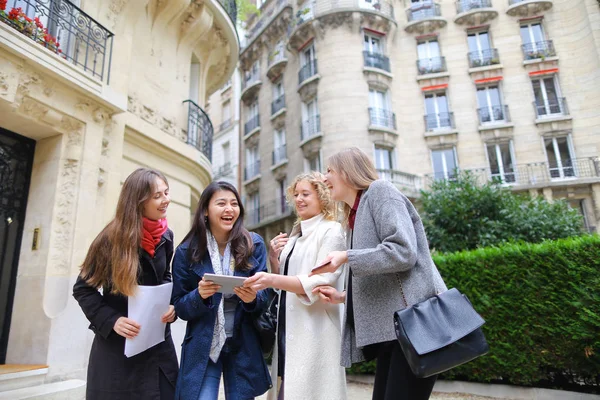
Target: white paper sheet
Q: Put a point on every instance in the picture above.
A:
(146, 308)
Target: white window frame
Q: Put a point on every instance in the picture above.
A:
(252, 110)
(560, 168)
(308, 54)
(532, 41)
(436, 96)
(544, 93)
(368, 45)
(307, 162)
(489, 104)
(502, 174)
(445, 172)
(278, 89)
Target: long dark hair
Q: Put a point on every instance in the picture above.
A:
(113, 257)
(239, 237)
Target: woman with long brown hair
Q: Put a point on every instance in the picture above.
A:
(220, 338)
(135, 248)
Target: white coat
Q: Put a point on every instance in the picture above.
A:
(313, 328)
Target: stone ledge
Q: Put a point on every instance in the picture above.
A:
(73, 389)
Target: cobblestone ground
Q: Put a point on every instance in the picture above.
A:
(362, 391)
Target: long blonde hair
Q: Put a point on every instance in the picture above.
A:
(356, 170)
(113, 258)
(316, 180)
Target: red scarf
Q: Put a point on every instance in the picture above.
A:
(352, 215)
(151, 233)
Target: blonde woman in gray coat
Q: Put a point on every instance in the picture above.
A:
(387, 249)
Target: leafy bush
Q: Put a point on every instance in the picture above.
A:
(460, 214)
(541, 303)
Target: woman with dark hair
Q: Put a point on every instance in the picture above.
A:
(220, 337)
(135, 248)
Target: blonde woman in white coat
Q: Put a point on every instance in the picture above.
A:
(309, 331)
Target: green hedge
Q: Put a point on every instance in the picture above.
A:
(541, 303)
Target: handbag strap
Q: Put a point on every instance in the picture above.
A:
(401, 289)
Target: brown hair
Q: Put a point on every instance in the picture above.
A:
(355, 168)
(242, 245)
(113, 258)
(316, 180)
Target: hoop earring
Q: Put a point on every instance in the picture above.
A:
(206, 219)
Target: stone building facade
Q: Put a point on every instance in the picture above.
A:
(108, 86)
(504, 88)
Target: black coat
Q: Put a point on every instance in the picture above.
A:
(111, 375)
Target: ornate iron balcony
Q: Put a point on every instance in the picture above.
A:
(535, 50)
(252, 170)
(439, 121)
(309, 69)
(310, 127)
(424, 10)
(468, 5)
(252, 124)
(278, 104)
(483, 58)
(200, 129)
(492, 114)
(230, 7)
(557, 106)
(431, 65)
(279, 154)
(65, 29)
(376, 60)
(382, 117)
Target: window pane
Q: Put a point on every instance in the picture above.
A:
(525, 36)
(493, 157)
(538, 34)
(484, 40)
(450, 162)
(551, 95)
(552, 157)
(494, 95)
(482, 98)
(442, 103)
(563, 149)
(472, 41)
(539, 97)
(438, 164)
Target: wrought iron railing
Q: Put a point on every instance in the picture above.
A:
(483, 58)
(250, 79)
(200, 129)
(270, 210)
(226, 124)
(230, 7)
(432, 65)
(64, 29)
(535, 50)
(276, 56)
(537, 173)
(557, 106)
(423, 10)
(252, 124)
(252, 170)
(491, 114)
(279, 154)
(382, 117)
(443, 120)
(468, 5)
(403, 179)
(309, 69)
(267, 14)
(278, 104)
(376, 60)
(224, 170)
(310, 127)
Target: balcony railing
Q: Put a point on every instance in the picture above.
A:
(483, 58)
(310, 127)
(276, 56)
(270, 210)
(278, 104)
(251, 79)
(66, 30)
(279, 154)
(252, 124)
(408, 181)
(424, 10)
(443, 120)
(557, 106)
(309, 69)
(382, 117)
(431, 65)
(200, 129)
(468, 5)
(230, 7)
(538, 173)
(266, 16)
(224, 170)
(252, 170)
(376, 60)
(226, 124)
(535, 50)
(493, 114)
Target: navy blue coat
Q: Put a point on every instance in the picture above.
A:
(252, 375)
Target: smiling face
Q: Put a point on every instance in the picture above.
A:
(223, 212)
(336, 184)
(306, 200)
(155, 207)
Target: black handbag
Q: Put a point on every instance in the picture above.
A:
(440, 333)
(265, 323)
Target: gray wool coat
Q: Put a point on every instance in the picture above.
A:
(389, 246)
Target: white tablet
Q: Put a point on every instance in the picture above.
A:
(227, 282)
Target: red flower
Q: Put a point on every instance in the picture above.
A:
(3, 4)
(27, 18)
(15, 13)
(38, 23)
